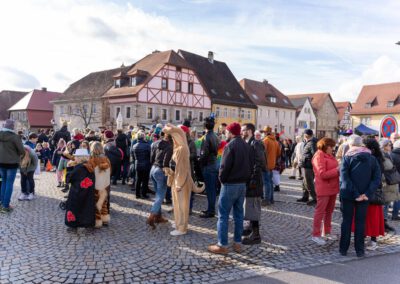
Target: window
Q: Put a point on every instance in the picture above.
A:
(291, 115)
(117, 83)
(177, 115)
(94, 108)
(135, 81)
(242, 113)
(366, 120)
(225, 112)
(272, 99)
(249, 114)
(128, 112)
(61, 109)
(85, 108)
(217, 112)
(254, 96)
(178, 86)
(179, 69)
(69, 109)
(190, 115)
(190, 88)
(268, 113)
(368, 105)
(149, 113)
(228, 94)
(201, 116)
(302, 124)
(164, 83)
(117, 111)
(23, 116)
(390, 104)
(233, 113)
(284, 114)
(312, 124)
(277, 113)
(290, 130)
(164, 114)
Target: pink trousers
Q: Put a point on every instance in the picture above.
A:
(323, 212)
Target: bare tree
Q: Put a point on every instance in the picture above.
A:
(87, 111)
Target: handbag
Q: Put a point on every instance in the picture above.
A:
(377, 197)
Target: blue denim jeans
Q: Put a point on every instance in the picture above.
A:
(396, 207)
(231, 196)
(210, 174)
(8, 178)
(268, 187)
(160, 187)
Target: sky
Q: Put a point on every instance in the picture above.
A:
(299, 46)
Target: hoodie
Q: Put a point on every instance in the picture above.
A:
(11, 149)
(360, 173)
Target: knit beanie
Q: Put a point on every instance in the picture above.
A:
(109, 134)
(9, 124)
(234, 128)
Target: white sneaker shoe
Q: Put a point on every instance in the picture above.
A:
(372, 245)
(30, 196)
(23, 197)
(320, 241)
(331, 237)
(177, 233)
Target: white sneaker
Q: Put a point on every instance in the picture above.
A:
(30, 196)
(23, 197)
(320, 241)
(372, 245)
(331, 237)
(177, 233)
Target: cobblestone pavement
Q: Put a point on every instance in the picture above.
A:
(36, 246)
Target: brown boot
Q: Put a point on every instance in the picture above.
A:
(151, 220)
(160, 219)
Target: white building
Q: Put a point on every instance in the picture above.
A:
(305, 115)
(274, 109)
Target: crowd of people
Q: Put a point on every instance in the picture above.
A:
(236, 162)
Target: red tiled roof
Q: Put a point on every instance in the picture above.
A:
(380, 94)
(317, 99)
(258, 92)
(341, 107)
(36, 100)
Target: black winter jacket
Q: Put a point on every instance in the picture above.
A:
(209, 149)
(161, 153)
(235, 163)
(141, 155)
(80, 208)
(113, 153)
(123, 143)
(62, 133)
(396, 158)
(258, 165)
(310, 148)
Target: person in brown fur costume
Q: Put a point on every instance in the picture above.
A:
(180, 180)
(102, 171)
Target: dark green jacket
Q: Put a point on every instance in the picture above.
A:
(11, 148)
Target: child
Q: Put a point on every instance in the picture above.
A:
(28, 166)
(56, 161)
(38, 149)
(45, 153)
(102, 170)
(85, 145)
(66, 156)
(80, 207)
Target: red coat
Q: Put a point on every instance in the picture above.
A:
(326, 174)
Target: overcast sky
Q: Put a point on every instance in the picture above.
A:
(299, 46)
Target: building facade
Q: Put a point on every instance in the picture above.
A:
(305, 115)
(326, 114)
(274, 109)
(344, 115)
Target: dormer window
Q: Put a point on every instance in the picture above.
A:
(117, 83)
(272, 99)
(368, 105)
(390, 104)
(136, 80)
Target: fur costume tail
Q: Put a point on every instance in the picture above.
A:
(198, 189)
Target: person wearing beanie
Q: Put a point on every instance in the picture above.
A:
(234, 174)
(11, 151)
(310, 148)
(114, 154)
(360, 176)
(209, 166)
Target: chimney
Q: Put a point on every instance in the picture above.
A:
(156, 51)
(44, 89)
(265, 81)
(211, 57)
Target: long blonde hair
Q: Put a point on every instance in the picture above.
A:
(26, 159)
(96, 149)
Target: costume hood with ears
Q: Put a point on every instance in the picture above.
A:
(181, 178)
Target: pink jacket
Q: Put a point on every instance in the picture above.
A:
(326, 174)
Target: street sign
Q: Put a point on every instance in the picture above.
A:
(388, 126)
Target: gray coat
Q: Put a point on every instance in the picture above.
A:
(34, 162)
(390, 192)
(11, 148)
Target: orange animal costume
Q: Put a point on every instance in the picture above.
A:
(180, 180)
(102, 170)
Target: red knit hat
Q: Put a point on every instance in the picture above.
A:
(234, 128)
(185, 128)
(108, 134)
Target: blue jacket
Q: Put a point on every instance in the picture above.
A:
(141, 155)
(360, 173)
(30, 144)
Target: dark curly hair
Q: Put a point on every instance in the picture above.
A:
(373, 145)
